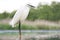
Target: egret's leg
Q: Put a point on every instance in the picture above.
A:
(19, 30)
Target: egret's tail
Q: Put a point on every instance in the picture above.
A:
(11, 23)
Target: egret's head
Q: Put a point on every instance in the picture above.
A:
(33, 3)
(31, 6)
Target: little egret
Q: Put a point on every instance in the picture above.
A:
(22, 13)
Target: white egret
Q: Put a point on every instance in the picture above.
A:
(22, 13)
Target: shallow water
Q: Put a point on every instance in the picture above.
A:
(32, 34)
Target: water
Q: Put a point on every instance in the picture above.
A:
(30, 31)
(2, 31)
(32, 34)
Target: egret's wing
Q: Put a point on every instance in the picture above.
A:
(21, 15)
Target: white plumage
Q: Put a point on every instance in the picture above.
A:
(23, 12)
(21, 15)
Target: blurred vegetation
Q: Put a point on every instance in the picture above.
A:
(8, 27)
(46, 12)
(6, 15)
(28, 27)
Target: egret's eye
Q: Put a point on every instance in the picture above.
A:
(31, 5)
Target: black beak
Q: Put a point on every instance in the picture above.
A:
(31, 5)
